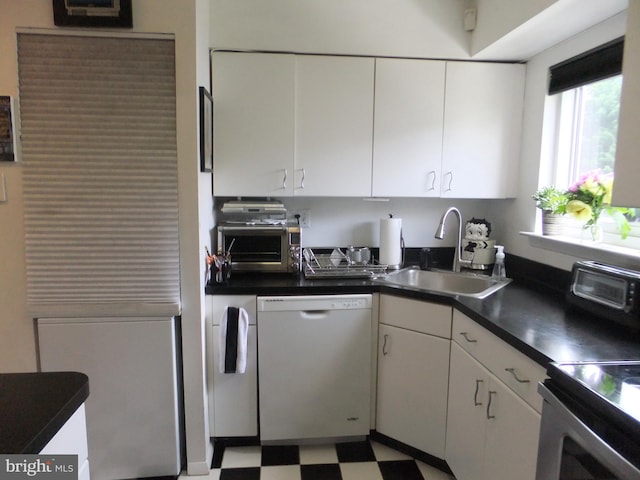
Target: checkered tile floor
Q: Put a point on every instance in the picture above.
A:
(366, 460)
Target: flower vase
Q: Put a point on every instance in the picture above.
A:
(592, 233)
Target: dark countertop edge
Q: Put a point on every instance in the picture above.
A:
(78, 383)
(66, 412)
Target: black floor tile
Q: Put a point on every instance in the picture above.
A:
(355, 452)
(249, 473)
(280, 455)
(320, 472)
(400, 470)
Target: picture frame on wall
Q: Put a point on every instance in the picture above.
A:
(206, 131)
(7, 130)
(93, 13)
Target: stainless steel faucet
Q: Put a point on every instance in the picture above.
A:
(457, 257)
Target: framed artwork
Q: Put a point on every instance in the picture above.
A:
(92, 13)
(7, 130)
(206, 131)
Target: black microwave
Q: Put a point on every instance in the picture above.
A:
(261, 248)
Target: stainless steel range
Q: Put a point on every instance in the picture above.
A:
(590, 426)
(590, 422)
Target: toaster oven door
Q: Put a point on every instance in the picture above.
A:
(255, 249)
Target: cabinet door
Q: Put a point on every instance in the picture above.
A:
(511, 444)
(333, 125)
(253, 96)
(482, 129)
(407, 138)
(235, 396)
(466, 418)
(412, 388)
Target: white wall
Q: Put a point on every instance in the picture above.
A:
(188, 21)
(523, 28)
(17, 342)
(353, 221)
(406, 28)
(520, 214)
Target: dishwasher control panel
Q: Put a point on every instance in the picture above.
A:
(314, 302)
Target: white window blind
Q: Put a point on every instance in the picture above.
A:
(100, 174)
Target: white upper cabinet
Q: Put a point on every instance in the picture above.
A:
(482, 129)
(313, 125)
(407, 140)
(253, 97)
(627, 166)
(333, 125)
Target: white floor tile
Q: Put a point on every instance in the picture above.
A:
(384, 453)
(213, 475)
(432, 473)
(318, 454)
(280, 472)
(360, 471)
(235, 457)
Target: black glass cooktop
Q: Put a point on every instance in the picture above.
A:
(609, 389)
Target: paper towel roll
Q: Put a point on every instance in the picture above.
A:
(390, 242)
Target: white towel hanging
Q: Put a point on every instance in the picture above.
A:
(231, 340)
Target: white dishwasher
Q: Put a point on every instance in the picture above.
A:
(314, 366)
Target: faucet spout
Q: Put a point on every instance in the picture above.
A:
(457, 256)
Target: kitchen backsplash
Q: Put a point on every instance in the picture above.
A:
(355, 221)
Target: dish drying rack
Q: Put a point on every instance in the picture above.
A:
(337, 265)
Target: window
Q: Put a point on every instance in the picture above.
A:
(587, 130)
(585, 92)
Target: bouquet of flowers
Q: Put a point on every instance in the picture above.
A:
(590, 196)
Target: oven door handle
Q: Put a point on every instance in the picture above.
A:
(559, 422)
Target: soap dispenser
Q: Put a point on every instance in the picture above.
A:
(498, 267)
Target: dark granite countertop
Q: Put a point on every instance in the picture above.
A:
(529, 314)
(34, 406)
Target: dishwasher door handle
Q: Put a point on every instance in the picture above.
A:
(315, 314)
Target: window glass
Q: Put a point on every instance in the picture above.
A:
(588, 129)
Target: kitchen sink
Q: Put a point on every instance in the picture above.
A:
(444, 282)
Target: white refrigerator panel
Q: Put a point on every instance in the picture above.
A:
(132, 409)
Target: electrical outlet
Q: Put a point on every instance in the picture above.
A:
(305, 218)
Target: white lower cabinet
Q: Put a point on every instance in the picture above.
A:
(233, 397)
(413, 373)
(492, 432)
(71, 439)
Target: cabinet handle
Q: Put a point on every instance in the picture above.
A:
(384, 345)
(489, 416)
(466, 337)
(512, 371)
(475, 395)
(302, 180)
(450, 175)
(432, 174)
(284, 179)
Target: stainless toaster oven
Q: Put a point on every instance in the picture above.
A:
(261, 247)
(607, 291)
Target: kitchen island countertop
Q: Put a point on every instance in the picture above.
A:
(534, 321)
(34, 406)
